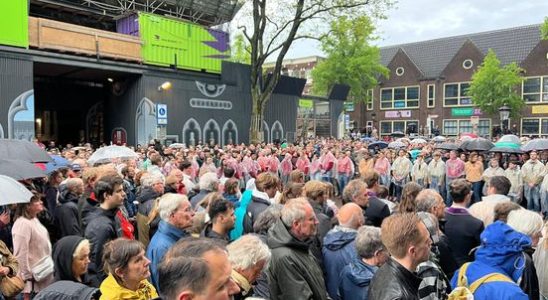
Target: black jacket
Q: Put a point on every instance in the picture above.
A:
(209, 233)
(102, 228)
(66, 215)
(68, 290)
(145, 197)
(254, 209)
(463, 232)
(375, 212)
(394, 282)
(293, 271)
(529, 280)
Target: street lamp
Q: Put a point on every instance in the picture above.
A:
(504, 116)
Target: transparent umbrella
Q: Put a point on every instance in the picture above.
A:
(110, 153)
(12, 191)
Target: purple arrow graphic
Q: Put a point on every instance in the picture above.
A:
(221, 40)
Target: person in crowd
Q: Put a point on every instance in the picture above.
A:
(474, 171)
(345, 169)
(454, 170)
(67, 213)
(152, 187)
(221, 214)
(462, 229)
(52, 191)
(356, 192)
(529, 223)
(188, 178)
(208, 183)
(293, 271)
(128, 270)
(338, 245)
(71, 259)
(409, 194)
(196, 269)
(176, 215)
(296, 176)
(503, 209)
(248, 255)
(103, 226)
(376, 210)
(9, 266)
(291, 190)
(65, 289)
(493, 170)
(382, 166)
(31, 246)
(382, 194)
(533, 173)
(501, 252)
(232, 191)
(174, 184)
(434, 284)
(355, 277)
(408, 242)
(285, 168)
(540, 258)
(436, 173)
(401, 169)
(316, 193)
(497, 192)
(266, 187)
(419, 172)
(513, 173)
(228, 173)
(88, 202)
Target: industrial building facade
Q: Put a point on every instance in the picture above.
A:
(426, 89)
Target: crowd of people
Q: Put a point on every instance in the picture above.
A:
(325, 219)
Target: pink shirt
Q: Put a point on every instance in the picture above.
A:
(455, 168)
(345, 165)
(382, 166)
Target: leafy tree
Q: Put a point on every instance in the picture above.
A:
(351, 60)
(494, 85)
(240, 51)
(544, 29)
(271, 27)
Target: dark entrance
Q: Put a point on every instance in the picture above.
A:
(70, 102)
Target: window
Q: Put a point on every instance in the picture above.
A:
(400, 71)
(400, 97)
(467, 64)
(535, 89)
(388, 127)
(431, 95)
(454, 127)
(534, 126)
(370, 99)
(455, 94)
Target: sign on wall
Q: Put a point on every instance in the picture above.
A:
(397, 114)
(540, 109)
(349, 106)
(304, 103)
(161, 114)
(465, 112)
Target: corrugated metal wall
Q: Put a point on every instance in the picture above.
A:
(336, 107)
(282, 108)
(16, 78)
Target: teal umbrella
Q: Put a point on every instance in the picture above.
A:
(508, 145)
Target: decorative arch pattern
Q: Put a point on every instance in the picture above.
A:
(191, 132)
(21, 117)
(230, 132)
(145, 121)
(1, 132)
(277, 131)
(212, 132)
(266, 132)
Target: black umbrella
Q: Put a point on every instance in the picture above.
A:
(447, 146)
(23, 150)
(479, 144)
(506, 150)
(378, 145)
(20, 169)
(398, 134)
(536, 144)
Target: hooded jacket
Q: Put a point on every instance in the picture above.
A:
(66, 215)
(259, 203)
(145, 197)
(294, 273)
(165, 237)
(63, 255)
(354, 280)
(338, 251)
(111, 289)
(68, 290)
(501, 251)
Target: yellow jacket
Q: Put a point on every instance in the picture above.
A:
(111, 290)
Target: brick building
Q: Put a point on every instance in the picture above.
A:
(428, 80)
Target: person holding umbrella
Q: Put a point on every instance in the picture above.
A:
(533, 173)
(400, 172)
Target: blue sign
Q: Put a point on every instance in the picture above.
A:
(161, 114)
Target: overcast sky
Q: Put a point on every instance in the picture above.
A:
(419, 20)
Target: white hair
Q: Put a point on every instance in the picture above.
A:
(294, 210)
(368, 241)
(209, 182)
(151, 178)
(73, 183)
(525, 221)
(247, 251)
(169, 203)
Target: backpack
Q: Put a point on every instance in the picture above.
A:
(464, 291)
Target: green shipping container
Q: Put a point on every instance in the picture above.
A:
(14, 23)
(169, 42)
